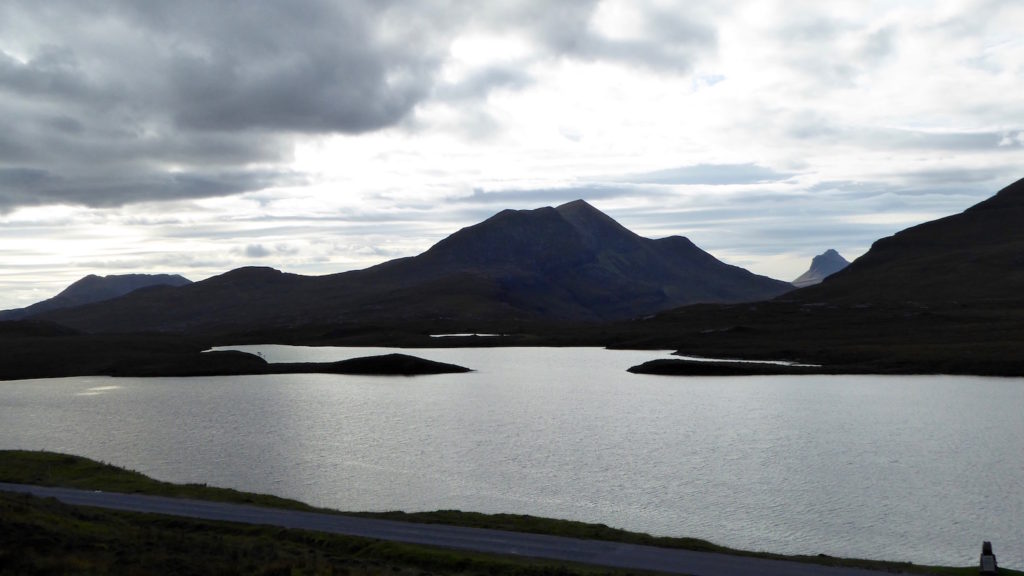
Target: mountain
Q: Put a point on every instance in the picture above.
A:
(822, 266)
(571, 263)
(94, 288)
(974, 256)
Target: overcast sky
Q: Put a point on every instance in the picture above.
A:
(194, 137)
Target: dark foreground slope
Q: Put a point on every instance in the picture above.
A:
(45, 536)
(550, 265)
(943, 297)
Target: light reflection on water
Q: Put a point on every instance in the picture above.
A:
(96, 390)
(909, 468)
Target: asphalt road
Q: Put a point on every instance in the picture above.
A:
(610, 554)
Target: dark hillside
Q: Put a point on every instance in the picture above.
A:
(946, 296)
(977, 255)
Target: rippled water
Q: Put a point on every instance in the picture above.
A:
(907, 468)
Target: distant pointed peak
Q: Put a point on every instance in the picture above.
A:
(822, 266)
(830, 255)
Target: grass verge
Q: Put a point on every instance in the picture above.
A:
(42, 537)
(51, 469)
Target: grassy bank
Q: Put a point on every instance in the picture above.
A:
(40, 536)
(46, 537)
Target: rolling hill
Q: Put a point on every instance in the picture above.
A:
(94, 288)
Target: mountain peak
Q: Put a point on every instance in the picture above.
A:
(580, 210)
(576, 204)
(594, 226)
(822, 266)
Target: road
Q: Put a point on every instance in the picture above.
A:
(601, 553)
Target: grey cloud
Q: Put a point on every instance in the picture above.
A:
(33, 187)
(830, 51)
(546, 196)
(481, 82)
(52, 73)
(673, 40)
(879, 44)
(967, 183)
(107, 103)
(806, 125)
(674, 37)
(942, 140)
(975, 17)
(23, 177)
(119, 101)
(710, 174)
(257, 251)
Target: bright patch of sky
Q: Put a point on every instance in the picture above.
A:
(189, 138)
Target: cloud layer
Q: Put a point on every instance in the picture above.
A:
(110, 103)
(321, 136)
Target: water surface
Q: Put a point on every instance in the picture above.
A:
(904, 468)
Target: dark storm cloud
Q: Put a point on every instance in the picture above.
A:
(35, 187)
(107, 102)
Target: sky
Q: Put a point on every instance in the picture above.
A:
(318, 136)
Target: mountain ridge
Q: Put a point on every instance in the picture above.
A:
(571, 263)
(93, 288)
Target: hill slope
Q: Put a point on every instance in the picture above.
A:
(571, 263)
(977, 255)
(946, 296)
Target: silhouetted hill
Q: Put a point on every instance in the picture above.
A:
(822, 266)
(571, 263)
(946, 296)
(977, 255)
(94, 288)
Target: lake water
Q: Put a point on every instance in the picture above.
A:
(902, 468)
